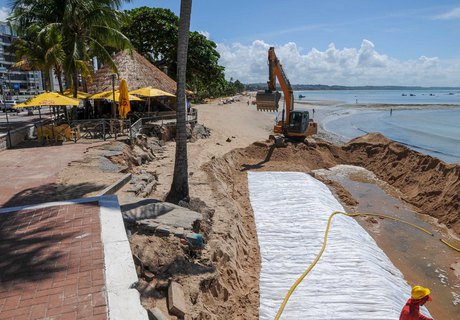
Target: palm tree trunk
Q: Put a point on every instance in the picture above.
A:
(47, 80)
(179, 188)
(85, 84)
(59, 79)
(75, 83)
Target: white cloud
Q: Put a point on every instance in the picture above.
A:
(205, 33)
(347, 66)
(452, 14)
(4, 13)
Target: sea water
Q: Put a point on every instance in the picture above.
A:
(434, 131)
(420, 96)
(430, 131)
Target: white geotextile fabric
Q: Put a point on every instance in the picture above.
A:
(354, 278)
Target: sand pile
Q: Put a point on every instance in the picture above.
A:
(426, 182)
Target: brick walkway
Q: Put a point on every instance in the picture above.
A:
(52, 264)
(30, 175)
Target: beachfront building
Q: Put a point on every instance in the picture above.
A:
(14, 82)
(138, 73)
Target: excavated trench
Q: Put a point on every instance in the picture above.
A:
(224, 282)
(425, 183)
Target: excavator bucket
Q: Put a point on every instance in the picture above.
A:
(267, 100)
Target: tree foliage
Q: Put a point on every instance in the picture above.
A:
(153, 33)
(86, 29)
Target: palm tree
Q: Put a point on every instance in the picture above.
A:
(88, 28)
(40, 52)
(179, 187)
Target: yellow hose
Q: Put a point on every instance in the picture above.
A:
(294, 286)
(449, 245)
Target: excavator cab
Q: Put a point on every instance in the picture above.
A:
(298, 122)
(295, 125)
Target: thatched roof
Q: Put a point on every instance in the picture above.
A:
(137, 71)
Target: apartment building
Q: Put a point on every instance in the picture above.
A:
(14, 82)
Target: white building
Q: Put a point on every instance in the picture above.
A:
(12, 81)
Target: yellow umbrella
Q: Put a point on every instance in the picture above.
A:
(123, 101)
(108, 95)
(80, 95)
(151, 92)
(48, 99)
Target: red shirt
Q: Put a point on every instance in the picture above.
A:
(411, 310)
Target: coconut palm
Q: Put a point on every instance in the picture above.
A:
(40, 52)
(88, 28)
(179, 187)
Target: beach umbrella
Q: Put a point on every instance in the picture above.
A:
(108, 95)
(51, 99)
(123, 100)
(80, 95)
(48, 99)
(151, 92)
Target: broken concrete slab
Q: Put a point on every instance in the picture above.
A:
(161, 212)
(156, 314)
(176, 300)
(162, 231)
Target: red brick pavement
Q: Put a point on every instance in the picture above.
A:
(30, 176)
(52, 264)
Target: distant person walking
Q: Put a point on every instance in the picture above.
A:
(411, 311)
(391, 112)
(313, 112)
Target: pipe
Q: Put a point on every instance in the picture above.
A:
(326, 233)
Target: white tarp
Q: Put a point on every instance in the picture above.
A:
(353, 280)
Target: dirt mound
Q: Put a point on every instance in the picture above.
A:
(426, 182)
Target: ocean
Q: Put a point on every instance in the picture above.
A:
(383, 96)
(434, 131)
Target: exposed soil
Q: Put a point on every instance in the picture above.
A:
(428, 183)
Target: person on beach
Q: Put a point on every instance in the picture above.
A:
(313, 112)
(391, 112)
(411, 310)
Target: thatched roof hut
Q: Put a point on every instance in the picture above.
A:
(137, 71)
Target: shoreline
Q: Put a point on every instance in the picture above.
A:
(328, 113)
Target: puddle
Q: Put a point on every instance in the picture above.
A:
(422, 259)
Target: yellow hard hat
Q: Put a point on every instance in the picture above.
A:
(419, 292)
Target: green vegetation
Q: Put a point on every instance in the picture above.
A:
(153, 33)
(66, 34)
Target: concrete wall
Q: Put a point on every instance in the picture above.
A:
(17, 136)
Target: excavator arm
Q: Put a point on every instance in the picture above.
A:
(293, 124)
(268, 100)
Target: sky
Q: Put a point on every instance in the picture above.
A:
(343, 42)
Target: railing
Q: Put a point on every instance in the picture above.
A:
(100, 129)
(169, 118)
(135, 128)
(103, 129)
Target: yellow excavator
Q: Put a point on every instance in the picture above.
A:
(294, 124)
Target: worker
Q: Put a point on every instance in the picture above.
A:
(411, 311)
